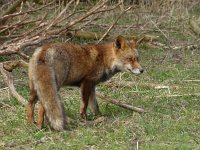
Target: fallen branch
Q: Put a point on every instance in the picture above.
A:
(195, 27)
(11, 9)
(177, 95)
(81, 18)
(10, 65)
(132, 83)
(119, 103)
(162, 32)
(9, 80)
(191, 80)
(7, 16)
(60, 14)
(147, 37)
(14, 48)
(85, 34)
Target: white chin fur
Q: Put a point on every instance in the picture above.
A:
(136, 71)
(126, 67)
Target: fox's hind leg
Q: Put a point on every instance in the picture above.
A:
(40, 121)
(93, 102)
(31, 103)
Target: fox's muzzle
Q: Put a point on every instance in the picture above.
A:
(141, 70)
(137, 71)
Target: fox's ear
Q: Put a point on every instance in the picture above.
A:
(120, 42)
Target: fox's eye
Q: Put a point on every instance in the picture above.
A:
(133, 58)
(130, 58)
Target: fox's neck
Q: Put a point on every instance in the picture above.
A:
(109, 60)
(108, 55)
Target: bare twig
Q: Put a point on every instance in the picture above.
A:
(60, 14)
(22, 13)
(79, 19)
(191, 80)
(13, 48)
(195, 27)
(18, 24)
(109, 29)
(177, 95)
(131, 84)
(119, 103)
(11, 10)
(166, 37)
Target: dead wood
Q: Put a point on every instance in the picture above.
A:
(147, 37)
(10, 65)
(46, 29)
(109, 29)
(120, 103)
(176, 95)
(8, 78)
(132, 83)
(5, 17)
(195, 27)
(86, 15)
(85, 34)
(11, 9)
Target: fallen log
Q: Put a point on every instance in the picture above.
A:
(147, 37)
(85, 34)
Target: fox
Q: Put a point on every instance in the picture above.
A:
(54, 65)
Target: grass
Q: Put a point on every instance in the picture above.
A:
(170, 123)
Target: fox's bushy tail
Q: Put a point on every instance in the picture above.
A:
(45, 84)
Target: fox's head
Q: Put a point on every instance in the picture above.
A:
(126, 55)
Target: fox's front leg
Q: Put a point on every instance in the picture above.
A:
(86, 90)
(93, 102)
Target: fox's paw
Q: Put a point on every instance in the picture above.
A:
(83, 116)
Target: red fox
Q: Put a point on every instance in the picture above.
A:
(58, 64)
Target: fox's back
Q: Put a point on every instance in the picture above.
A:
(68, 62)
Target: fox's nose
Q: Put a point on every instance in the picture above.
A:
(141, 70)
